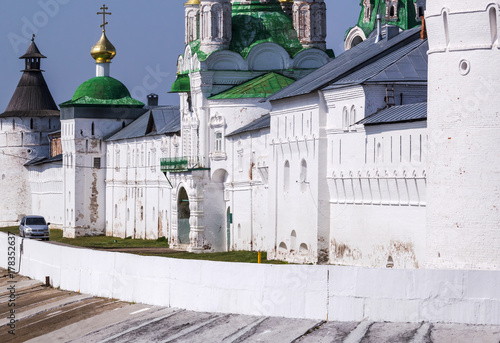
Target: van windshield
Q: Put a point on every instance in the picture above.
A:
(35, 221)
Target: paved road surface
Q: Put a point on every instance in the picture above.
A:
(47, 315)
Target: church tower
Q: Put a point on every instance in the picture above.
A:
(24, 126)
(463, 216)
(309, 20)
(100, 107)
(215, 25)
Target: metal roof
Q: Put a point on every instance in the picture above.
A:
(408, 63)
(397, 114)
(260, 87)
(157, 121)
(261, 123)
(43, 160)
(350, 61)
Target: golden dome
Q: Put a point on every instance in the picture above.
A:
(192, 2)
(103, 51)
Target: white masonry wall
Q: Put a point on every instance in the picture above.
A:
(21, 141)
(298, 191)
(377, 181)
(291, 291)
(246, 191)
(138, 195)
(46, 182)
(464, 133)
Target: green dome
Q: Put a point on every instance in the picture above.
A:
(102, 87)
(257, 23)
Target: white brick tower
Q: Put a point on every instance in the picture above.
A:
(463, 219)
(215, 25)
(309, 20)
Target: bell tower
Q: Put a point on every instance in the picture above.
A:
(309, 20)
(215, 25)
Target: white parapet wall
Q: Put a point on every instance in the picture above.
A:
(294, 291)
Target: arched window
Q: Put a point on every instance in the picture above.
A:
(13, 124)
(353, 118)
(92, 129)
(286, 176)
(392, 12)
(116, 211)
(345, 119)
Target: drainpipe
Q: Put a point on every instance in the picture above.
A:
(379, 28)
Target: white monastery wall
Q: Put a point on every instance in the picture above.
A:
(464, 134)
(21, 140)
(47, 187)
(292, 291)
(299, 211)
(137, 193)
(246, 191)
(377, 181)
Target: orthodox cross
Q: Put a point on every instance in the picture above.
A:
(104, 22)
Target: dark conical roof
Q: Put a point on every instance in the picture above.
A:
(32, 51)
(32, 96)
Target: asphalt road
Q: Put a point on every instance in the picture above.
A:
(49, 315)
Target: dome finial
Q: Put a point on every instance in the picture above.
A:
(103, 51)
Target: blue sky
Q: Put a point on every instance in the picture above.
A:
(148, 36)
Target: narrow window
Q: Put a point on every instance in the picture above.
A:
(393, 11)
(286, 176)
(116, 211)
(446, 30)
(345, 119)
(92, 129)
(218, 141)
(31, 124)
(493, 25)
(13, 124)
(97, 163)
(353, 116)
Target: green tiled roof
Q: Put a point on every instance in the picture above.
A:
(102, 91)
(260, 87)
(407, 16)
(182, 84)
